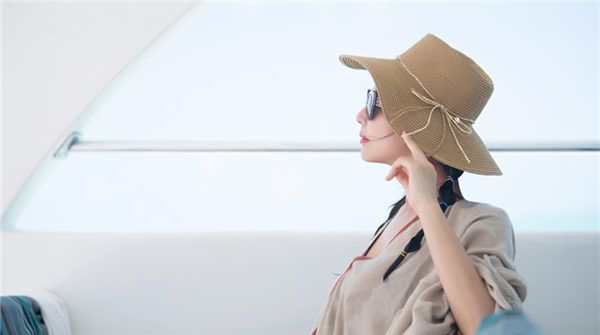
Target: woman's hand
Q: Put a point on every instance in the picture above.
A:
(417, 175)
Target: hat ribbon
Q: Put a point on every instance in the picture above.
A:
(449, 116)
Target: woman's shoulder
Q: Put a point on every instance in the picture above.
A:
(470, 207)
(481, 226)
(465, 213)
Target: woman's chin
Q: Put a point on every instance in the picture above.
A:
(366, 157)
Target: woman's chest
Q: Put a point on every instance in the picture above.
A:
(388, 235)
(380, 243)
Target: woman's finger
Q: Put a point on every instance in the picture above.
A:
(395, 171)
(413, 147)
(400, 163)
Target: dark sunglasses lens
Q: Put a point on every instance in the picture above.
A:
(370, 104)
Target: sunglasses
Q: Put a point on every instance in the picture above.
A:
(372, 103)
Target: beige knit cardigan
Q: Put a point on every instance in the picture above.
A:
(412, 300)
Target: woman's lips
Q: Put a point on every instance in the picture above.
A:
(364, 140)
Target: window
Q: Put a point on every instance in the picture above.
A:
(266, 76)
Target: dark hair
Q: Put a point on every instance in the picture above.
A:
(447, 198)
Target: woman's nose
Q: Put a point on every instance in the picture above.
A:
(362, 115)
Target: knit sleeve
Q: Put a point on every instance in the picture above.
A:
(489, 242)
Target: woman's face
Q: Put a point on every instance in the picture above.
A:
(384, 146)
(386, 149)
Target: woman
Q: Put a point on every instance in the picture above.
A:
(440, 263)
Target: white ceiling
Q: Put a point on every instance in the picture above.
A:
(56, 58)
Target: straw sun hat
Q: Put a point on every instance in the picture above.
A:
(436, 93)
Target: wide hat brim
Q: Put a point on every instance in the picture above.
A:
(394, 88)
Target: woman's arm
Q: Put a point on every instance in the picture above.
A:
(467, 295)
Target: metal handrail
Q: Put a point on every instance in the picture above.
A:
(73, 143)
